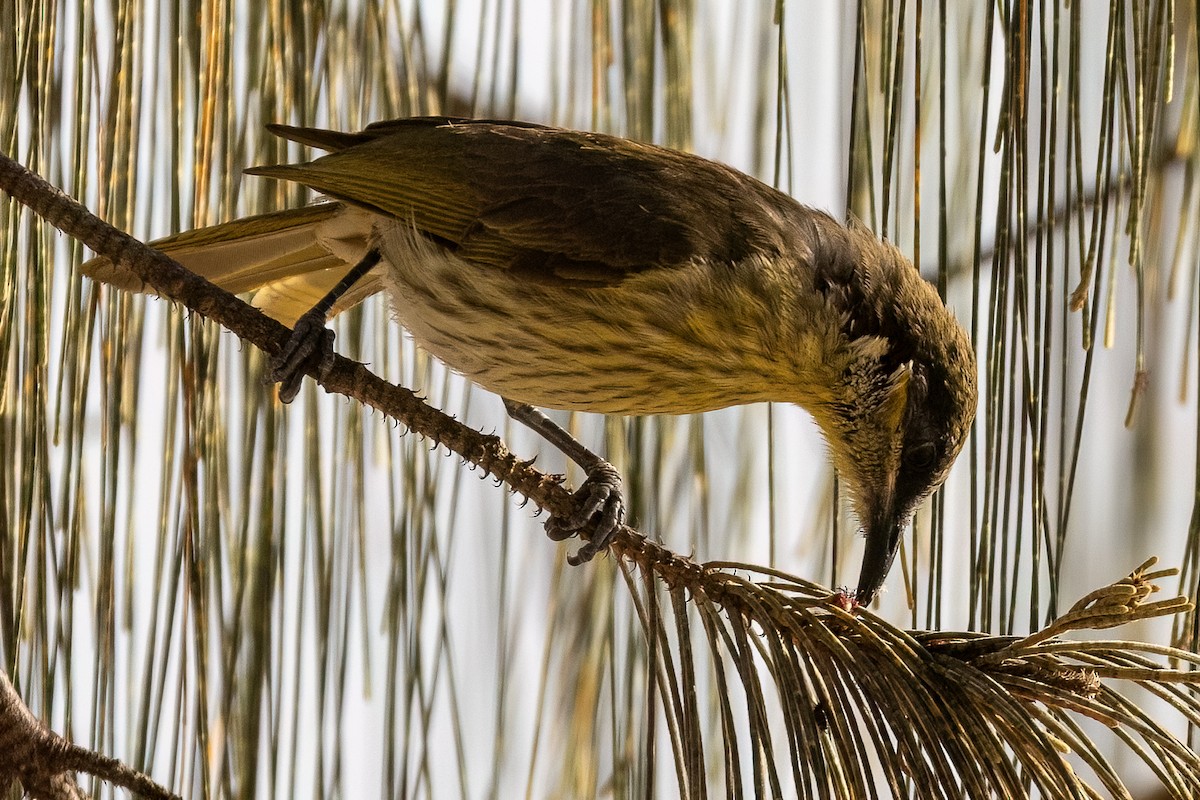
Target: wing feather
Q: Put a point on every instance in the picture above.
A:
(553, 204)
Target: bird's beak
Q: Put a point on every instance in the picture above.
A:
(883, 531)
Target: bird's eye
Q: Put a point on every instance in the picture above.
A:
(921, 456)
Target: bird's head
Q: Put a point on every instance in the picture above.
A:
(905, 394)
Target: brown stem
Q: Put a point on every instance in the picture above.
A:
(172, 280)
(44, 763)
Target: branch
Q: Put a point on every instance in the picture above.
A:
(44, 762)
(173, 281)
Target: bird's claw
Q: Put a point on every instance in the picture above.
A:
(310, 345)
(599, 499)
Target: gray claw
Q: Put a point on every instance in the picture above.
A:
(310, 342)
(600, 495)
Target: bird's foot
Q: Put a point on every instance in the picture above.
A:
(599, 499)
(311, 345)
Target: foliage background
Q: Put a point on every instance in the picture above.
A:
(247, 599)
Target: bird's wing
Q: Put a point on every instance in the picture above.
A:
(551, 204)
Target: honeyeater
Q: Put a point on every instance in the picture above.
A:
(581, 271)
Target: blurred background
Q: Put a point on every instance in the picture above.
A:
(247, 599)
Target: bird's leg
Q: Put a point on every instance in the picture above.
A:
(311, 343)
(599, 497)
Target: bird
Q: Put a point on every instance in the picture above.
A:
(581, 271)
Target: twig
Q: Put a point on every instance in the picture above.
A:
(44, 763)
(172, 280)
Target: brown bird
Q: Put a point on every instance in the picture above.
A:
(581, 271)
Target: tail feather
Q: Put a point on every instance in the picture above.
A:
(292, 257)
(288, 299)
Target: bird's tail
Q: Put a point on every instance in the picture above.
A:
(290, 259)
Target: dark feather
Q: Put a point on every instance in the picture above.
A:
(552, 204)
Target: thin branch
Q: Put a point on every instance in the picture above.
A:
(173, 281)
(44, 762)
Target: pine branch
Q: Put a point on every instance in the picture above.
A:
(173, 281)
(44, 763)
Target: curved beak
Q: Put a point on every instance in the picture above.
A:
(883, 540)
